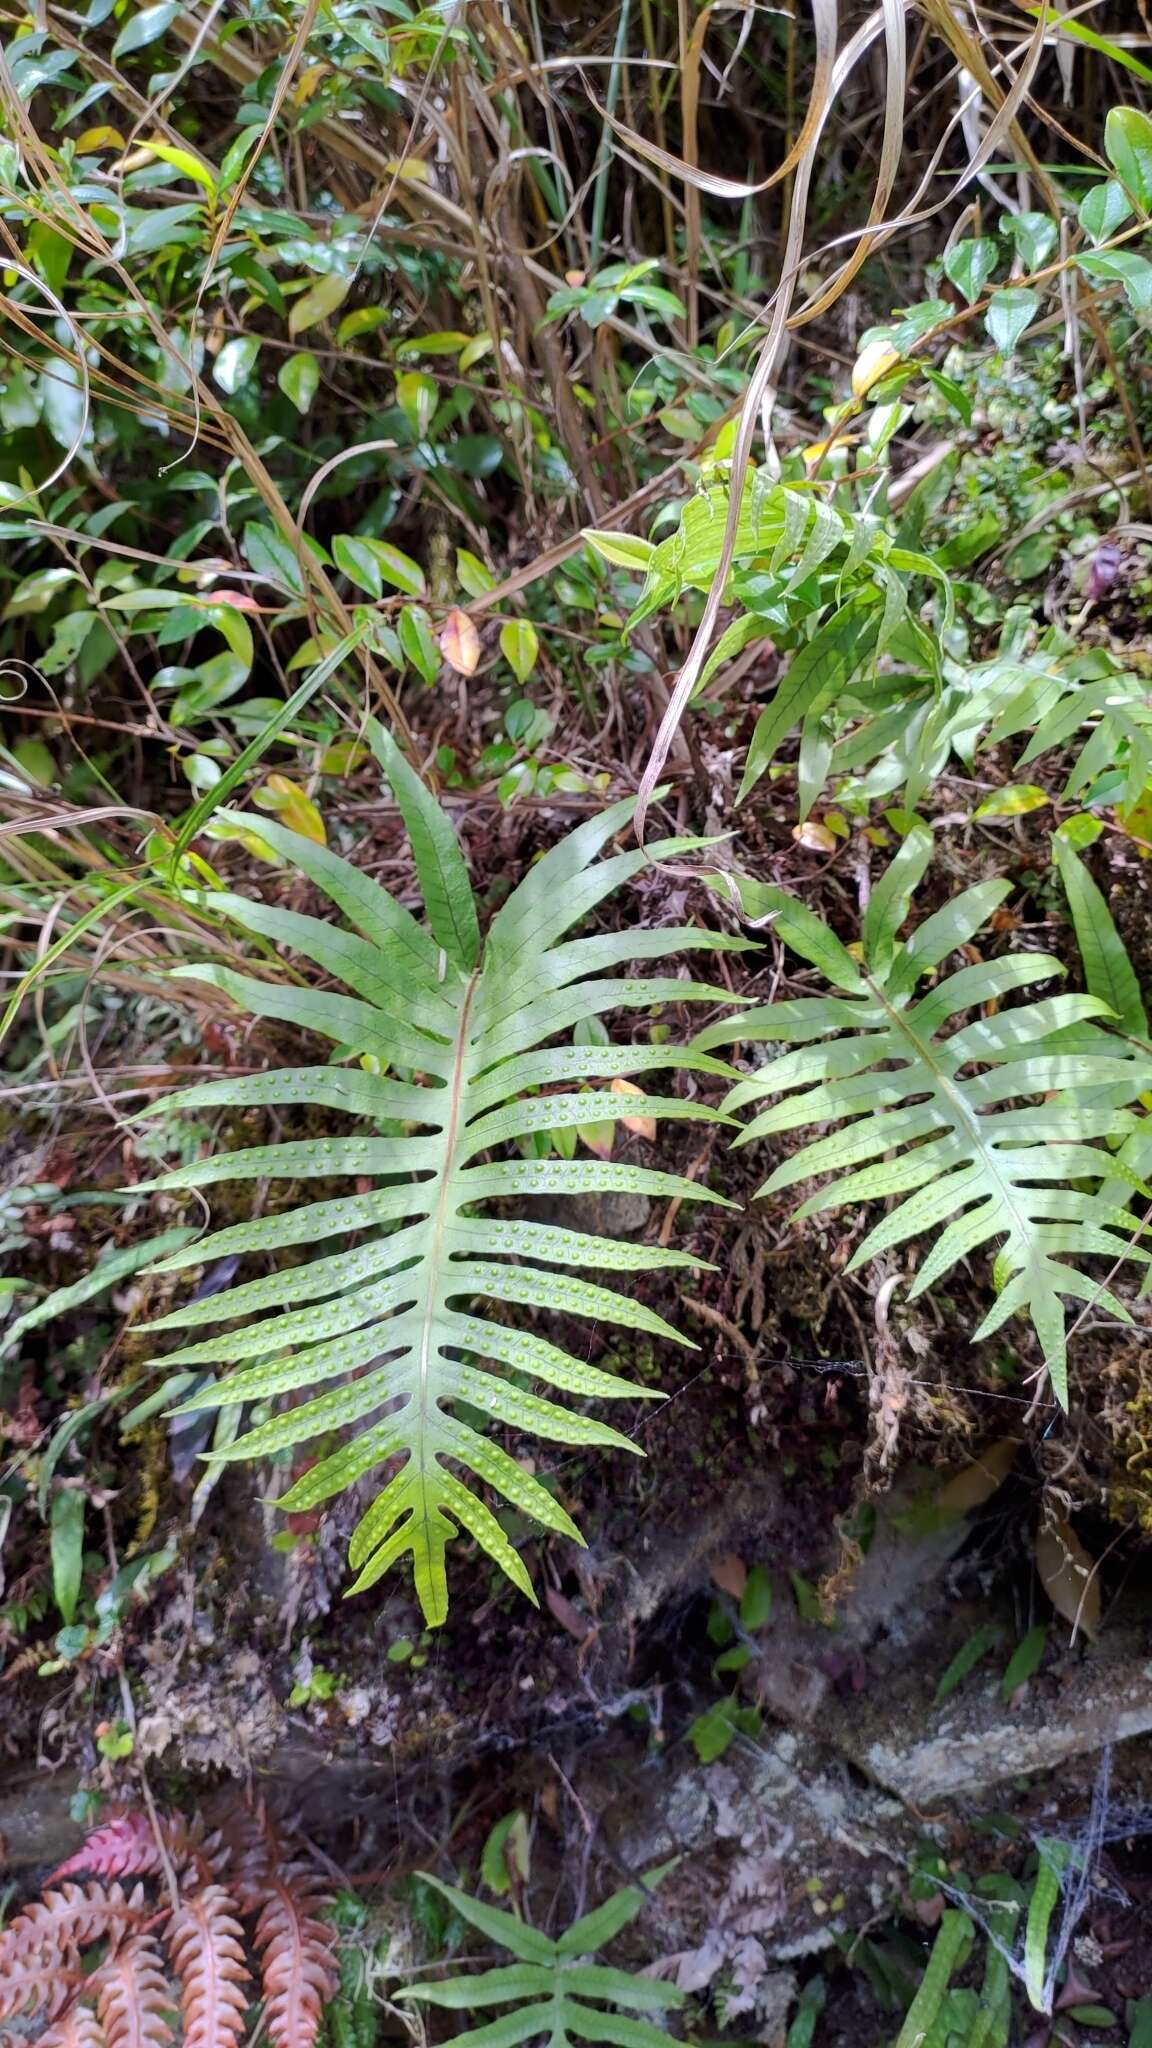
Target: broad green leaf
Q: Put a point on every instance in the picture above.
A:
(623, 550)
(474, 579)
(969, 264)
(320, 300)
(62, 402)
(418, 644)
(354, 556)
(1010, 314)
(269, 554)
(520, 646)
(1034, 236)
(67, 1544)
(417, 395)
(299, 379)
(235, 362)
(145, 27)
(1125, 267)
(1104, 209)
(1128, 144)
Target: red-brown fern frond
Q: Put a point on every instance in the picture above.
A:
(296, 1950)
(40, 1951)
(133, 1996)
(124, 1845)
(79, 2028)
(206, 1944)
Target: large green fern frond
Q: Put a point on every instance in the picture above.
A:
(385, 1334)
(921, 1099)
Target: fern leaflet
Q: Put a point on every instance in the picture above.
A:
(923, 1112)
(388, 1328)
(551, 1983)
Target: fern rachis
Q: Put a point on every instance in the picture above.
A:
(392, 1322)
(920, 1110)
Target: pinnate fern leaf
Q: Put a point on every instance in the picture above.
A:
(296, 1948)
(40, 1952)
(385, 1335)
(124, 1845)
(132, 1996)
(206, 1943)
(919, 1099)
(555, 1992)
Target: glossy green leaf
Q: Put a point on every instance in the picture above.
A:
(299, 379)
(67, 1545)
(1010, 314)
(145, 27)
(321, 299)
(969, 264)
(1104, 209)
(520, 646)
(1128, 144)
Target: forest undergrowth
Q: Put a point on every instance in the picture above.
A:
(575, 890)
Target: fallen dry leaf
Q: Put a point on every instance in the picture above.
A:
(977, 1482)
(730, 1574)
(816, 837)
(460, 643)
(1067, 1573)
(642, 1126)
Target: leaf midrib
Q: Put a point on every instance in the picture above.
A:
(445, 1207)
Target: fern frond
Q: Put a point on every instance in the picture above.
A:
(921, 1099)
(297, 1956)
(385, 1336)
(297, 1949)
(551, 1982)
(122, 1846)
(132, 1997)
(206, 1943)
(40, 1951)
(78, 2028)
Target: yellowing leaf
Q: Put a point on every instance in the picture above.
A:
(294, 809)
(100, 138)
(642, 1126)
(816, 837)
(189, 166)
(460, 643)
(481, 346)
(1067, 1573)
(1013, 800)
(413, 170)
(871, 364)
(321, 299)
